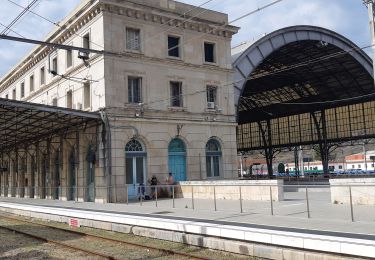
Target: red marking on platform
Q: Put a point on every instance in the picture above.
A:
(73, 222)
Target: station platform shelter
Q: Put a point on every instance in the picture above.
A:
(302, 86)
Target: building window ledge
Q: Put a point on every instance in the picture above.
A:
(178, 109)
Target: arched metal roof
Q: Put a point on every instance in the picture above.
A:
(298, 64)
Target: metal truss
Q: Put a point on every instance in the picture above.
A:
(23, 124)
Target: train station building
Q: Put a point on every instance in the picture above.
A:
(84, 126)
(169, 96)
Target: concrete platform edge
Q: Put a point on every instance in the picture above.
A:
(260, 243)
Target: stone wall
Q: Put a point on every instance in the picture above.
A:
(363, 191)
(230, 190)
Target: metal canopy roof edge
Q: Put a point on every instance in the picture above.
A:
(49, 109)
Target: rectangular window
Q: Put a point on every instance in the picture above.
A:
(211, 96)
(31, 83)
(176, 94)
(134, 90)
(7, 96)
(86, 41)
(22, 89)
(14, 94)
(69, 58)
(54, 66)
(86, 95)
(54, 102)
(353, 166)
(69, 99)
(340, 167)
(209, 52)
(42, 76)
(173, 46)
(133, 39)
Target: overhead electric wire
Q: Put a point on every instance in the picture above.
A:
(8, 28)
(227, 23)
(11, 30)
(15, 20)
(305, 63)
(98, 45)
(52, 22)
(255, 11)
(183, 21)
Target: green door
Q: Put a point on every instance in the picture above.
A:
(177, 159)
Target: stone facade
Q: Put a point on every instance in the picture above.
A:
(261, 190)
(149, 93)
(362, 191)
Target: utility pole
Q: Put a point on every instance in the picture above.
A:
(371, 8)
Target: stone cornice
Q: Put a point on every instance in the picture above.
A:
(171, 19)
(72, 27)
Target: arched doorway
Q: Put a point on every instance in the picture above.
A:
(213, 159)
(72, 187)
(91, 158)
(177, 159)
(135, 155)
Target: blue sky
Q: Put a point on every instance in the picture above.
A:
(347, 17)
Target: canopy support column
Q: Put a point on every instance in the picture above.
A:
(265, 130)
(320, 122)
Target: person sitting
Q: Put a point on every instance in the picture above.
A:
(170, 182)
(141, 191)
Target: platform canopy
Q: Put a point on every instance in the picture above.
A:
(24, 123)
(302, 85)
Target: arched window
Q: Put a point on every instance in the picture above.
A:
(176, 146)
(133, 146)
(213, 158)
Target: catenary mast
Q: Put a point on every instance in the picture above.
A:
(371, 7)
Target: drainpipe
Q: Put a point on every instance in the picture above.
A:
(108, 153)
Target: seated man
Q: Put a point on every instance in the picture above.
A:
(170, 182)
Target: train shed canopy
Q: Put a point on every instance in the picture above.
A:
(302, 85)
(24, 123)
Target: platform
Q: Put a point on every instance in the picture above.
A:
(339, 237)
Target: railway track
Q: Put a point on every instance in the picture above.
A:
(168, 252)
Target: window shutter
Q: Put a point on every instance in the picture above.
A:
(133, 40)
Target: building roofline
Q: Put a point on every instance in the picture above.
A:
(73, 16)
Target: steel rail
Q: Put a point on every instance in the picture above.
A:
(57, 243)
(166, 251)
